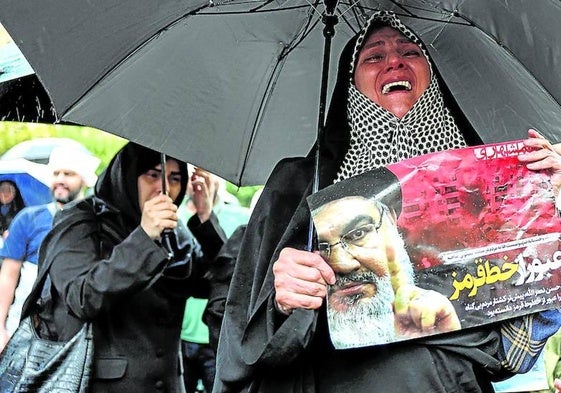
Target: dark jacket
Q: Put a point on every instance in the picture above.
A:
(107, 270)
(261, 350)
(220, 275)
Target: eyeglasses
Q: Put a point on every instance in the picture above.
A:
(354, 237)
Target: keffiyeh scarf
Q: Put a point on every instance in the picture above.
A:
(378, 137)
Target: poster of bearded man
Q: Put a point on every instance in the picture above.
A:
(438, 243)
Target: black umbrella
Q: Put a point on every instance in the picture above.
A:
(25, 99)
(233, 86)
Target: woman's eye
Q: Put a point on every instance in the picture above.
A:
(152, 175)
(175, 179)
(412, 53)
(374, 58)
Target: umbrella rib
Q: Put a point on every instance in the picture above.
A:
(266, 3)
(262, 104)
(513, 55)
(408, 11)
(314, 7)
(131, 53)
(307, 29)
(252, 11)
(271, 81)
(470, 22)
(353, 9)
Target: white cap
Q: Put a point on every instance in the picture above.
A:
(79, 161)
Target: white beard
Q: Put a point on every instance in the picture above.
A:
(368, 322)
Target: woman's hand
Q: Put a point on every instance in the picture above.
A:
(301, 280)
(557, 385)
(158, 214)
(204, 190)
(544, 157)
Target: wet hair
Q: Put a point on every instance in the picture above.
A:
(150, 160)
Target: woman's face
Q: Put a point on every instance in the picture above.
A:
(392, 71)
(150, 182)
(7, 193)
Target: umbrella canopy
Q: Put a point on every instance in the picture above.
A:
(25, 99)
(33, 180)
(234, 86)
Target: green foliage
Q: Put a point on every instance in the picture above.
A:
(102, 144)
(244, 194)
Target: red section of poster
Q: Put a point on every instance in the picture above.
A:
(480, 234)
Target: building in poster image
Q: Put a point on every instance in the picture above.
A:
(437, 243)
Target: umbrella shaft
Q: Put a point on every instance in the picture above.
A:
(328, 32)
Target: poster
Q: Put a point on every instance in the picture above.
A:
(438, 243)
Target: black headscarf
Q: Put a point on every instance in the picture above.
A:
(336, 137)
(117, 186)
(273, 353)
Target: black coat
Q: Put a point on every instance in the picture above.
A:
(107, 270)
(261, 350)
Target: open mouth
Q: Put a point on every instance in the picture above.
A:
(396, 86)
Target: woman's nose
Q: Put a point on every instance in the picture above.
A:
(394, 60)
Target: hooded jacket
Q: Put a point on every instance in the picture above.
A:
(107, 270)
(262, 350)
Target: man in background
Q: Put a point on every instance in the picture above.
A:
(73, 171)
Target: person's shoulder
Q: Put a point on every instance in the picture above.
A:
(79, 205)
(30, 212)
(78, 208)
(289, 162)
(291, 168)
(290, 179)
(36, 208)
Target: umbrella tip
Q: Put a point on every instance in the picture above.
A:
(330, 6)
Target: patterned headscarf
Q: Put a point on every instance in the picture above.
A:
(378, 137)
